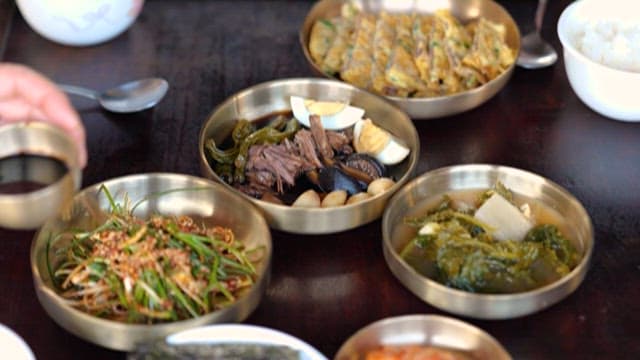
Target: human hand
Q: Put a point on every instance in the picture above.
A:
(26, 95)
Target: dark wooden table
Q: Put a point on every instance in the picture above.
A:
(324, 288)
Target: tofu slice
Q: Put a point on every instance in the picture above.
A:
(506, 219)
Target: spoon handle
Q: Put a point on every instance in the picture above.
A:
(542, 6)
(76, 90)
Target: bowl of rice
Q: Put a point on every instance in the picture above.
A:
(601, 43)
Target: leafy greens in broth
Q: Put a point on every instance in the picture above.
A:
(460, 251)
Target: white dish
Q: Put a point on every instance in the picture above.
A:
(608, 91)
(13, 346)
(80, 23)
(238, 333)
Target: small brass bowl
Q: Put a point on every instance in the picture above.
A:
(39, 171)
(465, 11)
(425, 330)
(477, 177)
(271, 97)
(206, 201)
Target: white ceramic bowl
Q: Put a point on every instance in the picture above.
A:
(13, 346)
(80, 22)
(244, 334)
(605, 89)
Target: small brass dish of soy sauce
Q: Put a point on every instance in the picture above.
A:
(39, 173)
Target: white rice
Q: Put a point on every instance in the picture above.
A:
(611, 42)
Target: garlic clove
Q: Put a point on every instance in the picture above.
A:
(308, 199)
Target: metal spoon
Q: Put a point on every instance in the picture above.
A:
(536, 53)
(130, 97)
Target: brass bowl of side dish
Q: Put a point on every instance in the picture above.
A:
(261, 101)
(429, 336)
(395, 53)
(119, 291)
(39, 173)
(499, 260)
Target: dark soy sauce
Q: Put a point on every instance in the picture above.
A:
(25, 173)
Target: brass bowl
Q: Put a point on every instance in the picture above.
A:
(207, 201)
(427, 330)
(270, 97)
(54, 170)
(465, 11)
(480, 176)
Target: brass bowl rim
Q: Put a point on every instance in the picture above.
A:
(424, 318)
(256, 291)
(66, 185)
(304, 43)
(581, 268)
(406, 176)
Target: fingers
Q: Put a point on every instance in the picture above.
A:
(15, 110)
(58, 110)
(26, 95)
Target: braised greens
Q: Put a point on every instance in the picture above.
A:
(230, 163)
(459, 251)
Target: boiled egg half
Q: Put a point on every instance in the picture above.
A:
(335, 115)
(378, 142)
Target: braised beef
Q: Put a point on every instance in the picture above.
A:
(263, 178)
(320, 137)
(307, 148)
(326, 157)
(339, 142)
(285, 165)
